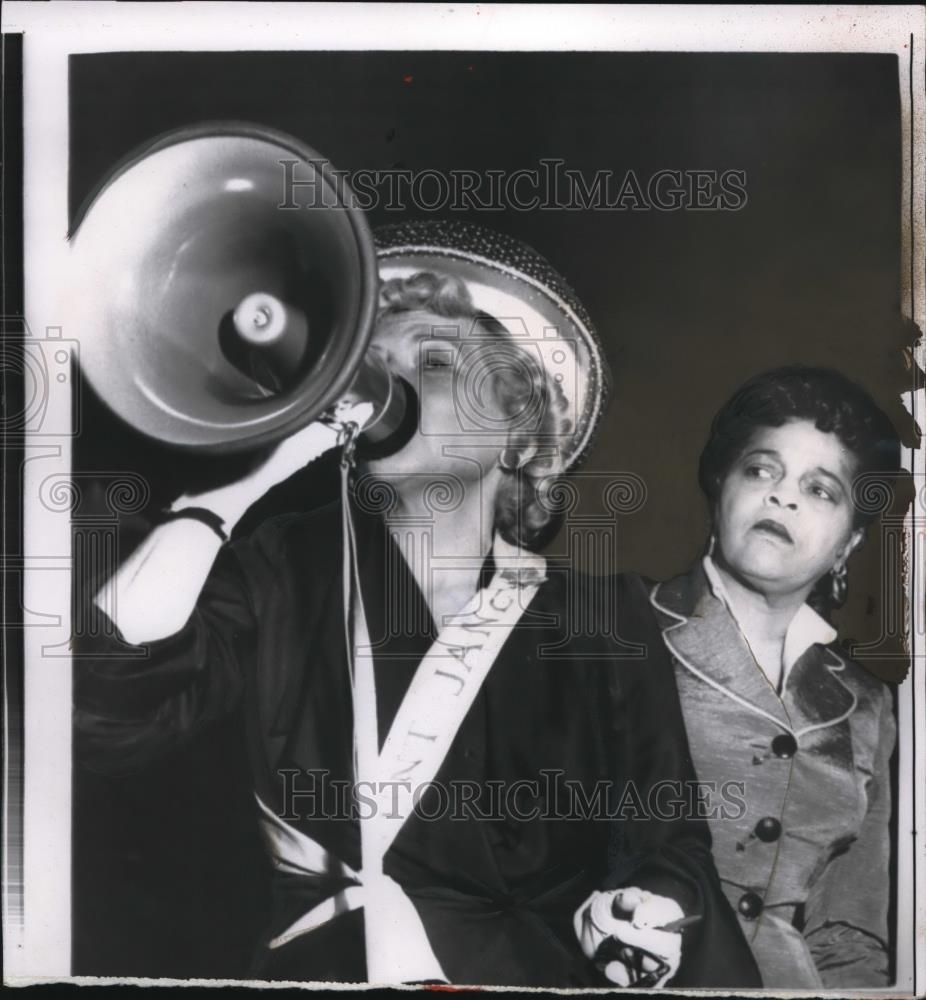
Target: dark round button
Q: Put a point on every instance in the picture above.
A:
(750, 906)
(768, 829)
(784, 745)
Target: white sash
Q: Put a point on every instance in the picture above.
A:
(441, 692)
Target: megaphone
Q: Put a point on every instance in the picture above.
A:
(224, 291)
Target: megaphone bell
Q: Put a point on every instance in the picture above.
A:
(218, 310)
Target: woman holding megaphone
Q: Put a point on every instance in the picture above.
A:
(419, 692)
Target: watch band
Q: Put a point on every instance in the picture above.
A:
(201, 514)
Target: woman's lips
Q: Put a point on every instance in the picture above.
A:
(769, 527)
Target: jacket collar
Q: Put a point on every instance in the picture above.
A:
(702, 634)
(807, 628)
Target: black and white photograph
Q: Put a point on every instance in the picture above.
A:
(465, 496)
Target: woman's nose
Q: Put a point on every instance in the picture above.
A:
(391, 358)
(380, 351)
(780, 498)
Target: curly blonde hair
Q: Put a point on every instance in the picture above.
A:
(521, 386)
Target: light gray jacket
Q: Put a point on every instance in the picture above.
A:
(806, 862)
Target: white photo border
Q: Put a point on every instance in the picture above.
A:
(39, 949)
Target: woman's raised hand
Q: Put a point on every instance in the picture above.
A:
(306, 445)
(288, 457)
(152, 595)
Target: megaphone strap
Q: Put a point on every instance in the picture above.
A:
(444, 687)
(396, 944)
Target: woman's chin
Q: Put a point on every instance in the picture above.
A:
(762, 571)
(408, 459)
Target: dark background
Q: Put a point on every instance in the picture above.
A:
(168, 877)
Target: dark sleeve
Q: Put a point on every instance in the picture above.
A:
(658, 842)
(134, 703)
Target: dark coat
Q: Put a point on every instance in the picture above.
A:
(565, 703)
(806, 861)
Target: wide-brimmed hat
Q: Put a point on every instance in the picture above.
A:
(515, 285)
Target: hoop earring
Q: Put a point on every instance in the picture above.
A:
(839, 583)
(506, 465)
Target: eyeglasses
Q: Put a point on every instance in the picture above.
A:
(610, 950)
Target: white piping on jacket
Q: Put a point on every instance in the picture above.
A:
(832, 668)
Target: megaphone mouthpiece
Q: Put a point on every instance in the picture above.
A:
(263, 319)
(268, 340)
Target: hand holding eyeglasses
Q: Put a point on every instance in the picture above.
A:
(632, 935)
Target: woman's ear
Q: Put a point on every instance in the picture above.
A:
(516, 454)
(856, 540)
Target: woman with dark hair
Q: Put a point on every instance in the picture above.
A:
(770, 703)
(410, 741)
